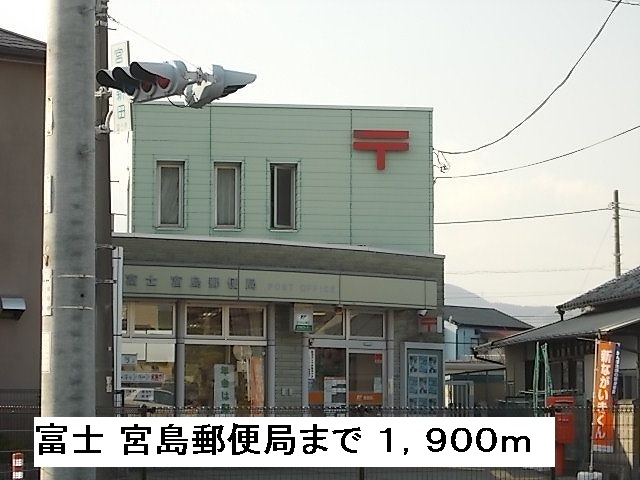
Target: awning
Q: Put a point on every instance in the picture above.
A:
(12, 307)
(588, 324)
(457, 367)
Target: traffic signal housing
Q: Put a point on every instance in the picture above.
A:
(146, 81)
(220, 84)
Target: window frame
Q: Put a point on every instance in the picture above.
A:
(353, 312)
(293, 208)
(131, 320)
(144, 342)
(347, 314)
(237, 168)
(319, 308)
(226, 336)
(160, 165)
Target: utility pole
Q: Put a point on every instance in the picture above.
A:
(616, 232)
(68, 274)
(104, 374)
(104, 270)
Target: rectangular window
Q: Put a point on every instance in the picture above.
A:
(224, 377)
(227, 184)
(149, 318)
(283, 196)
(147, 374)
(226, 321)
(170, 191)
(328, 321)
(366, 324)
(246, 322)
(204, 320)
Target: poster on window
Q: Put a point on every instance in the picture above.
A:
(224, 386)
(423, 379)
(335, 392)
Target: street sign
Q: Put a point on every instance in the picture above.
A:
(121, 101)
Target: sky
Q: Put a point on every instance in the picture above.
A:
(482, 66)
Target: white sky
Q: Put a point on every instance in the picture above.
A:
(482, 66)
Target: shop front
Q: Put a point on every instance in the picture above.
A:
(198, 336)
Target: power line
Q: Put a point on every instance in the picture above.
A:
(506, 219)
(548, 96)
(625, 3)
(545, 270)
(516, 295)
(604, 237)
(629, 210)
(178, 56)
(581, 149)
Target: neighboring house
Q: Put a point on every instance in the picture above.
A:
(610, 311)
(22, 86)
(281, 256)
(471, 380)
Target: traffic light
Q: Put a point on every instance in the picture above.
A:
(220, 84)
(146, 81)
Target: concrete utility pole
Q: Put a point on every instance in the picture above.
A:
(68, 283)
(616, 231)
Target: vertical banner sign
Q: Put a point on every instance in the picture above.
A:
(606, 365)
(312, 364)
(121, 102)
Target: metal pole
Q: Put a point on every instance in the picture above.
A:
(181, 327)
(68, 283)
(104, 374)
(104, 268)
(616, 231)
(271, 359)
(593, 388)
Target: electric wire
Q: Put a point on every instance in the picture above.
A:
(595, 258)
(563, 155)
(176, 105)
(541, 270)
(625, 3)
(593, 40)
(525, 217)
(517, 295)
(629, 210)
(178, 56)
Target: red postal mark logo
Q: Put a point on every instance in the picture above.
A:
(378, 141)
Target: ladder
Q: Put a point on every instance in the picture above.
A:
(541, 354)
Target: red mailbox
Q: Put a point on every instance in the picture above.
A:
(565, 415)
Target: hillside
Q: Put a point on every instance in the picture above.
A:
(535, 316)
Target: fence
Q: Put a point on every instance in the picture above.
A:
(17, 410)
(16, 434)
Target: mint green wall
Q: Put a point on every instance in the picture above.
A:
(342, 197)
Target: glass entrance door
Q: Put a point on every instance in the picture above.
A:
(328, 381)
(366, 372)
(344, 378)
